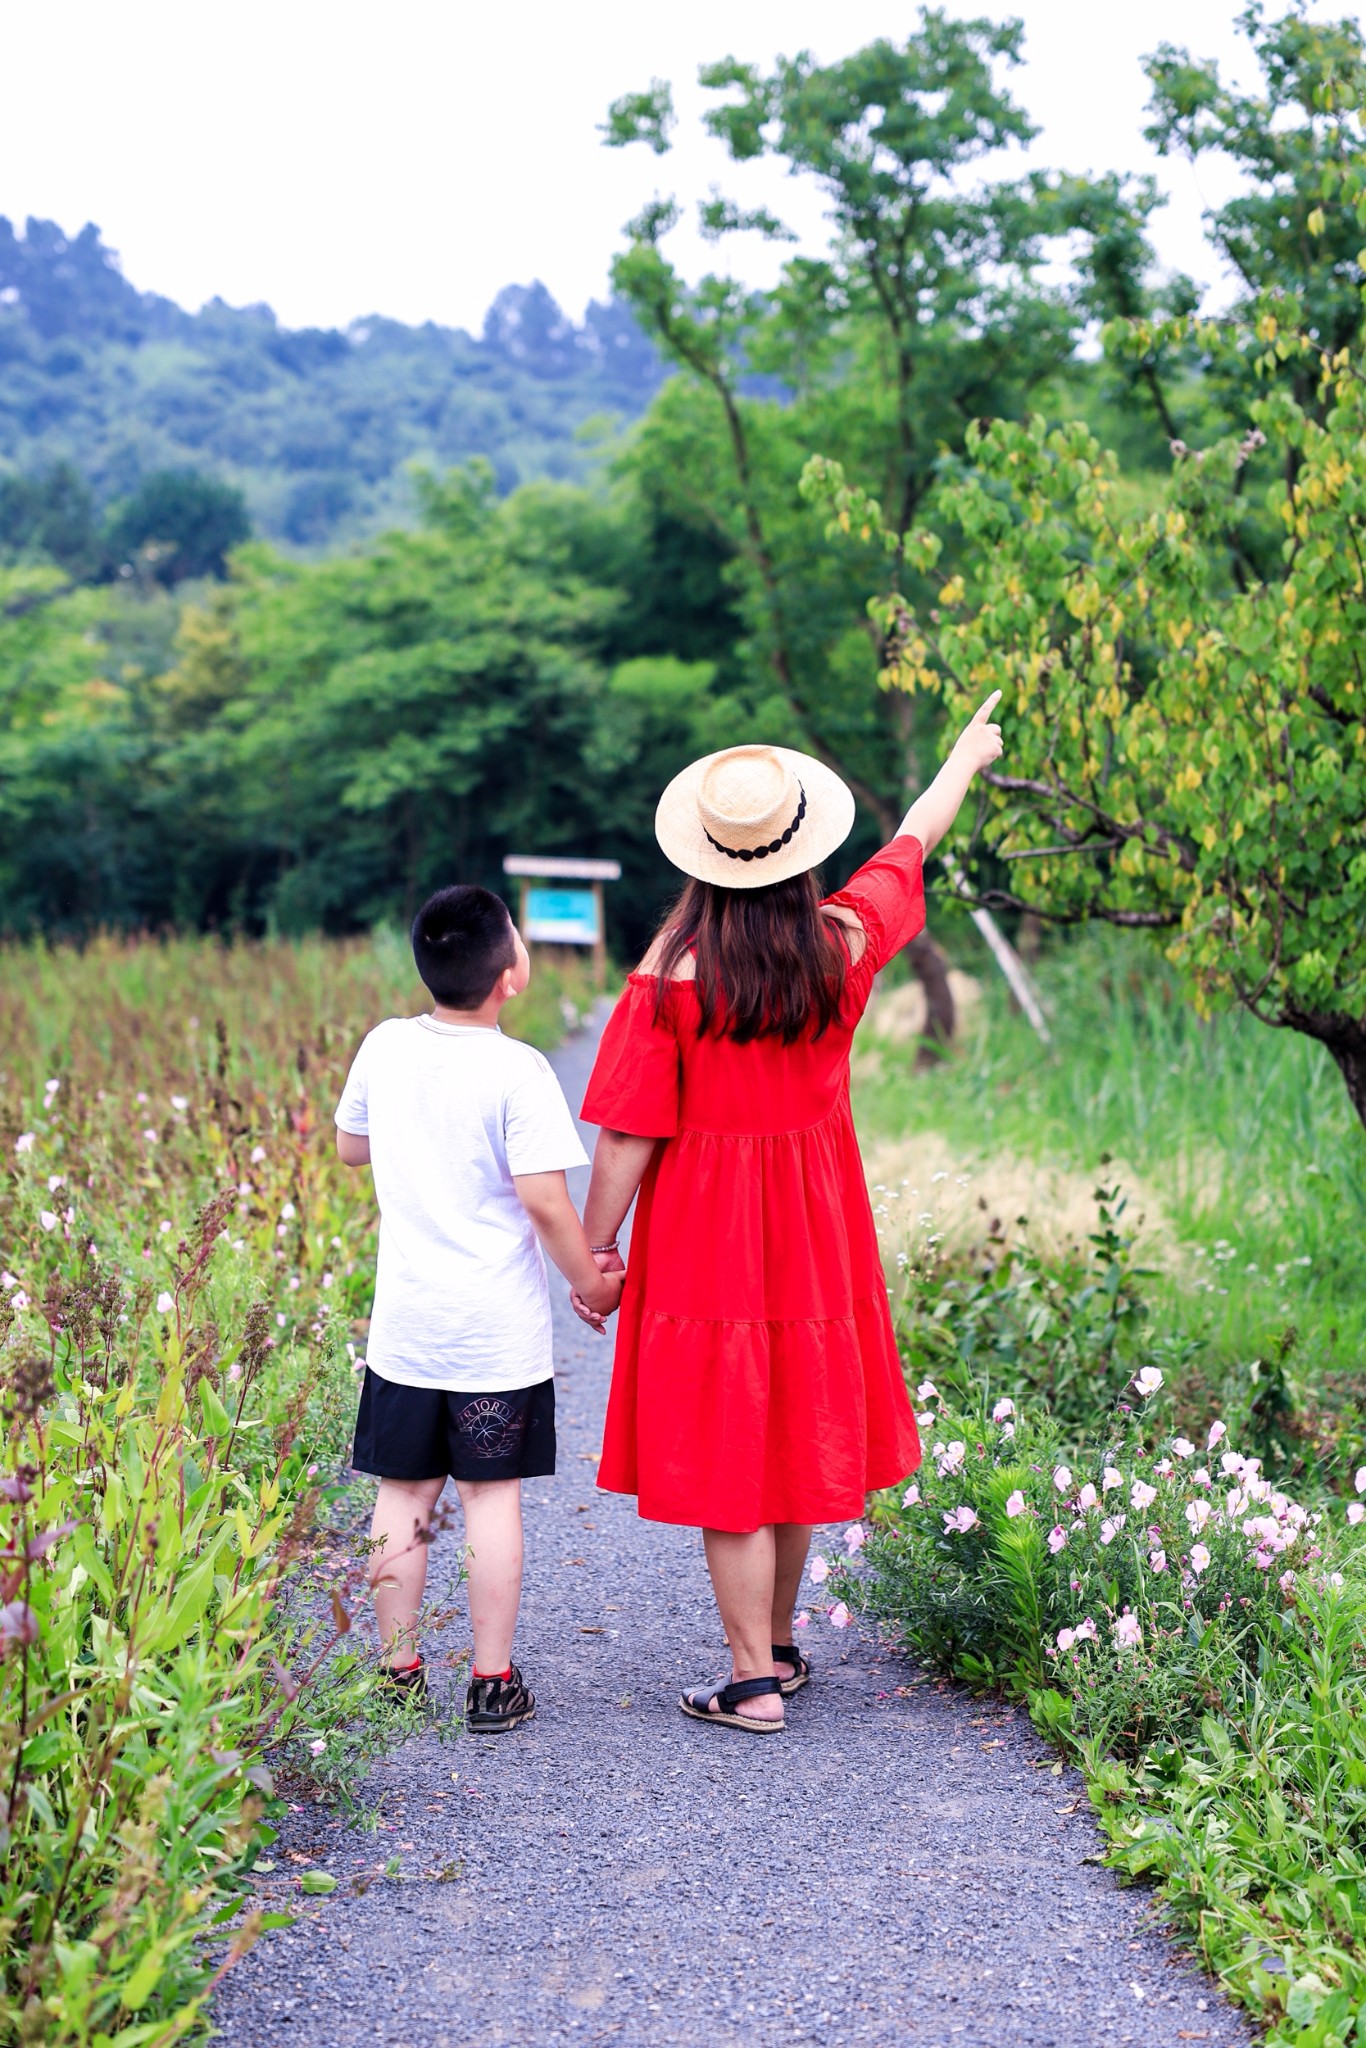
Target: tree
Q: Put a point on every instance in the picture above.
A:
(52, 513)
(1291, 139)
(931, 307)
(1183, 758)
(181, 523)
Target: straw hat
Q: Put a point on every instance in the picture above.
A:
(749, 816)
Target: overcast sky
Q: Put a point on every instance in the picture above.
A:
(411, 158)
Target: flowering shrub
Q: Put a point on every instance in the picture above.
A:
(1130, 1583)
(1193, 1636)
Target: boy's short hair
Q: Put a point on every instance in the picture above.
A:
(462, 941)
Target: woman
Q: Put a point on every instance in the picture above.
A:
(757, 1388)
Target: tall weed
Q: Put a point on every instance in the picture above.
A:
(185, 1276)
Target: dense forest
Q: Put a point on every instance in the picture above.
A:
(200, 727)
(314, 426)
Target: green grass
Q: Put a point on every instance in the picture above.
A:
(1244, 1134)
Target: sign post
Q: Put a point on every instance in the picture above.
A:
(562, 902)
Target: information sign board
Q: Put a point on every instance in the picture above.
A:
(561, 917)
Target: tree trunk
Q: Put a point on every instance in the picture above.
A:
(1349, 1051)
(931, 965)
(1345, 1038)
(1028, 937)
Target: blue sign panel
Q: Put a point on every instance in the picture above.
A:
(561, 917)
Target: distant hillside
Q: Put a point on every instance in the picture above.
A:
(315, 425)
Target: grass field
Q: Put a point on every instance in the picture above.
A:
(1235, 1144)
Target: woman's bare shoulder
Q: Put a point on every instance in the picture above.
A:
(682, 970)
(857, 937)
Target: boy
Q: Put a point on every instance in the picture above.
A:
(469, 1138)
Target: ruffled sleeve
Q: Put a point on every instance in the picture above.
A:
(887, 895)
(635, 1083)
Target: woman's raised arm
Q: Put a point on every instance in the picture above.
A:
(979, 744)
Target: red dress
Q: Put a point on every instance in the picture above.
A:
(756, 1376)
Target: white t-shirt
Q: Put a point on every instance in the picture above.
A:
(452, 1112)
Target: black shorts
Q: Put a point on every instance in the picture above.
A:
(433, 1432)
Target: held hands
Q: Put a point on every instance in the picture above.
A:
(606, 1296)
(979, 743)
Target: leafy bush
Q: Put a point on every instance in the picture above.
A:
(157, 1488)
(1172, 1619)
(1006, 1317)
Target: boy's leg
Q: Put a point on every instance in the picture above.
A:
(398, 1571)
(493, 1567)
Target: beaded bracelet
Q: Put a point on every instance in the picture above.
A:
(595, 1248)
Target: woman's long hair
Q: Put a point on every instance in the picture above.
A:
(768, 963)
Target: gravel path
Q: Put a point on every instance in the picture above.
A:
(894, 1868)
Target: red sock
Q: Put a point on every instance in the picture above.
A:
(405, 1667)
(504, 1675)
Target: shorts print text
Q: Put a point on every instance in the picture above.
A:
(490, 1428)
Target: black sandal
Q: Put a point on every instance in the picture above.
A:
(699, 1704)
(788, 1653)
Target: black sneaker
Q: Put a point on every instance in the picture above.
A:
(493, 1704)
(404, 1685)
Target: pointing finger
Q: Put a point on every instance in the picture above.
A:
(984, 711)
